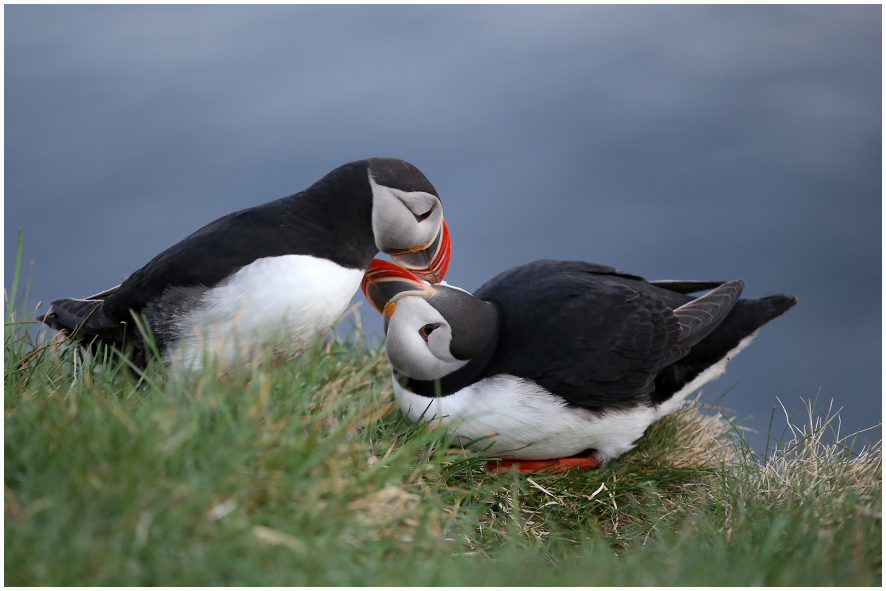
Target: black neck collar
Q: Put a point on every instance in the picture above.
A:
(462, 378)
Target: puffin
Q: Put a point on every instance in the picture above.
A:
(274, 277)
(555, 360)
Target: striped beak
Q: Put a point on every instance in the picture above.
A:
(429, 262)
(384, 283)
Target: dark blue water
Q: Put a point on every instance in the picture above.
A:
(690, 142)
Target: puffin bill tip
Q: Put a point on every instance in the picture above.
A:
(431, 262)
(384, 283)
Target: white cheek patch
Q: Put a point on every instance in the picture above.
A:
(393, 217)
(418, 202)
(438, 343)
(407, 350)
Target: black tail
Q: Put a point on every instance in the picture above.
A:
(744, 320)
(85, 321)
(83, 317)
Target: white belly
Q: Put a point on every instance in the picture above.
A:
(519, 419)
(284, 304)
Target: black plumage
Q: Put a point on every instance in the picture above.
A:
(332, 220)
(746, 317)
(599, 338)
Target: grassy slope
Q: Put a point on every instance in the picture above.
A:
(303, 474)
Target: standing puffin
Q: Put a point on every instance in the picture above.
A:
(273, 276)
(556, 359)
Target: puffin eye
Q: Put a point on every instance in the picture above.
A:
(425, 215)
(426, 330)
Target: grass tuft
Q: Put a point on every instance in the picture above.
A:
(303, 473)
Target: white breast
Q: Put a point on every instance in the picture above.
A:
(283, 303)
(519, 419)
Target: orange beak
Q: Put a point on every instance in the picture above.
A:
(384, 283)
(429, 262)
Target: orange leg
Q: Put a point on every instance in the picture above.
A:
(556, 465)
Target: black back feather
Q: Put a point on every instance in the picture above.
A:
(332, 219)
(585, 332)
(603, 339)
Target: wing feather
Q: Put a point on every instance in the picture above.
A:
(585, 332)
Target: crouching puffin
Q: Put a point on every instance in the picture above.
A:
(557, 359)
(276, 276)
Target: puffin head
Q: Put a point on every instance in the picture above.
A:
(431, 331)
(407, 218)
